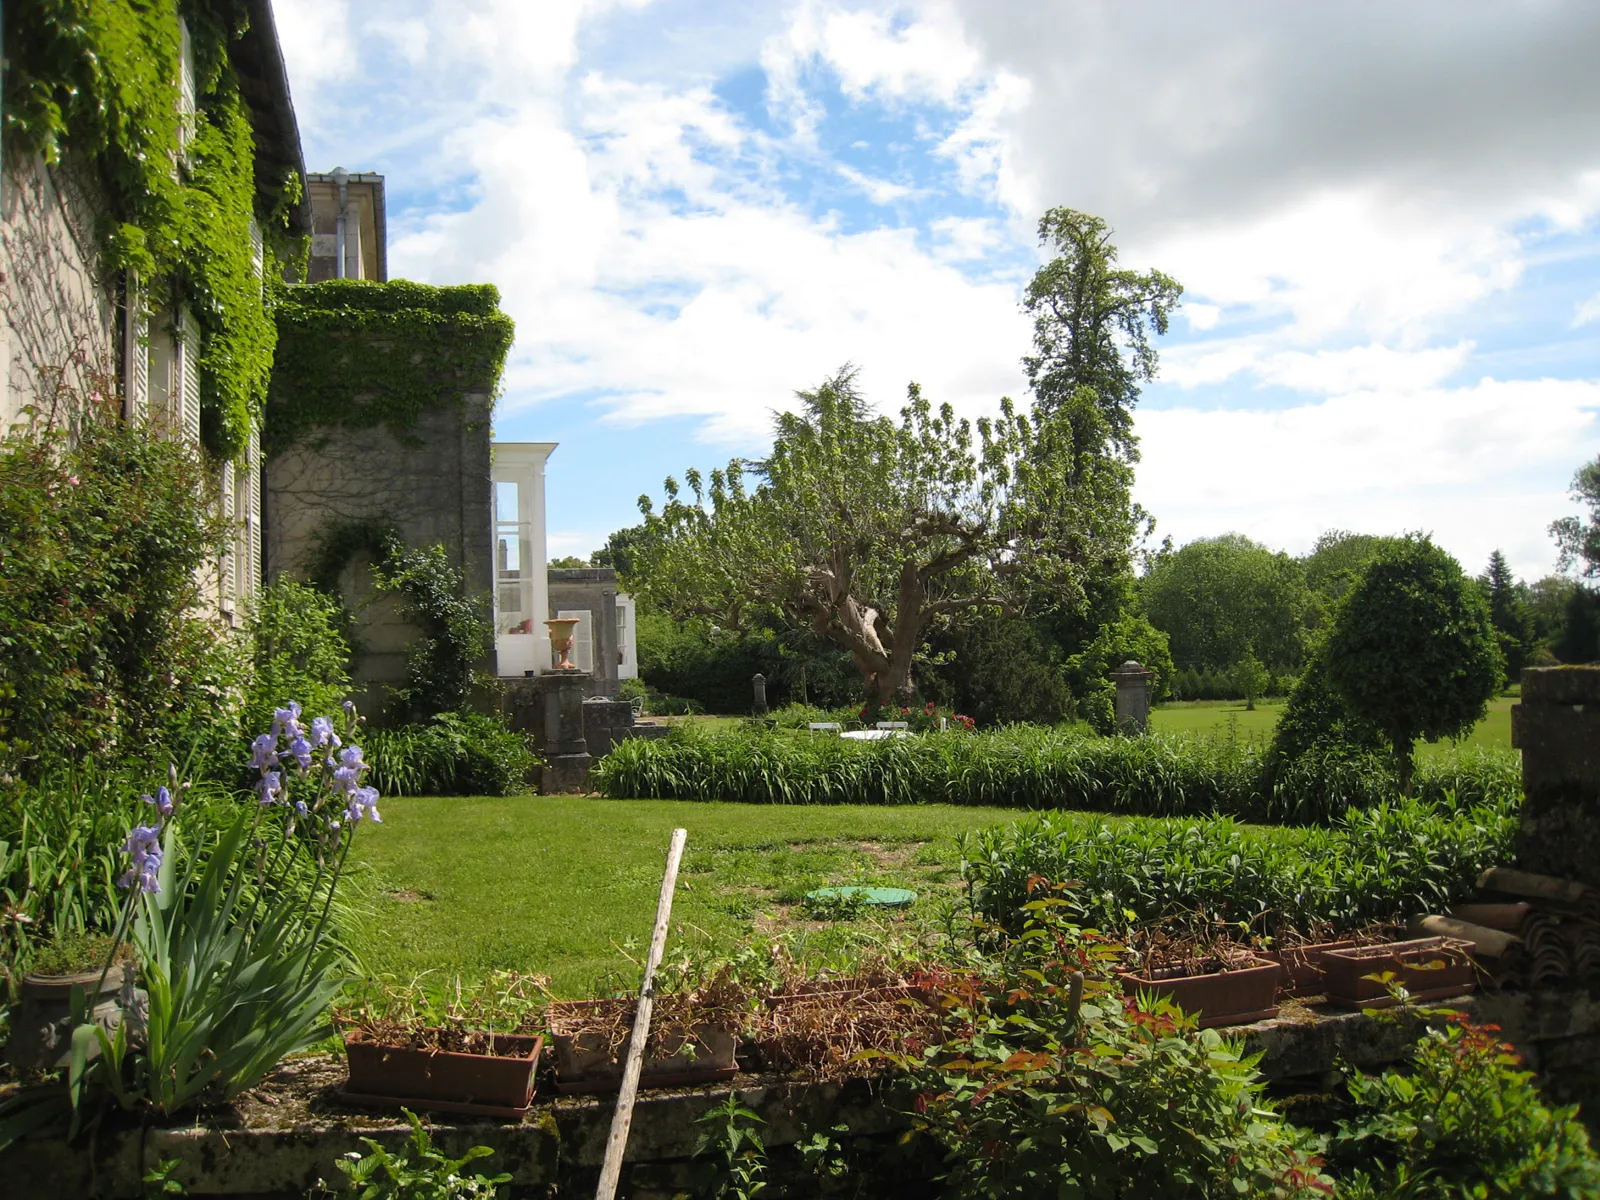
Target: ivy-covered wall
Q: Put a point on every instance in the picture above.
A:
(95, 91)
(379, 418)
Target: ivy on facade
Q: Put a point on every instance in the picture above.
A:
(96, 86)
(355, 354)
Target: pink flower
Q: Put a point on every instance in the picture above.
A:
(73, 480)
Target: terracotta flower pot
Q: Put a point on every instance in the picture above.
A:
(818, 1027)
(1428, 968)
(586, 1062)
(1241, 994)
(493, 1085)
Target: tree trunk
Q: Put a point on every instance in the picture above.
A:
(1404, 761)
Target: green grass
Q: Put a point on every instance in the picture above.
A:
(554, 884)
(1230, 718)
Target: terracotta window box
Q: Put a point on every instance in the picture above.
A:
(1303, 966)
(586, 1062)
(1428, 968)
(1243, 993)
(495, 1084)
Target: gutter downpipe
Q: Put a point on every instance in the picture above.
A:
(341, 178)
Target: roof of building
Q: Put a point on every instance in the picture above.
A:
(264, 82)
(379, 220)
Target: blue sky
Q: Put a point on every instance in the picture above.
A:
(1386, 219)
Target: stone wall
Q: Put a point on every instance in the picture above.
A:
(592, 590)
(55, 310)
(1557, 727)
(431, 483)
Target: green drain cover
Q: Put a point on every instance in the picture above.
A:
(879, 896)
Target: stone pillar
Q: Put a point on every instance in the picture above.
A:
(1133, 697)
(1557, 728)
(566, 752)
(758, 683)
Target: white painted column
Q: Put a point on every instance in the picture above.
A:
(516, 652)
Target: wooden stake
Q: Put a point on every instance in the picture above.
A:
(622, 1118)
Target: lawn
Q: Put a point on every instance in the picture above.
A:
(555, 884)
(1229, 717)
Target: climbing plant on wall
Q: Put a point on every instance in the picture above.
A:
(354, 354)
(97, 85)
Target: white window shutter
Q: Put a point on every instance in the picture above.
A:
(227, 587)
(135, 352)
(252, 521)
(188, 358)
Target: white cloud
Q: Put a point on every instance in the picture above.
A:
(879, 191)
(1479, 466)
(317, 43)
(1321, 372)
(1586, 312)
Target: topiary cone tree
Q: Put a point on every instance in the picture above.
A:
(1412, 650)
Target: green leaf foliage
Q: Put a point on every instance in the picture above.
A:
(1579, 537)
(103, 550)
(426, 1173)
(454, 754)
(1459, 1121)
(300, 650)
(1385, 863)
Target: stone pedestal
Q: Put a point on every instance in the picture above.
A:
(1133, 697)
(1557, 728)
(566, 752)
(758, 699)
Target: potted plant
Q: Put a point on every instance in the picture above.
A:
(471, 1050)
(98, 967)
(821, 1027)
(1428, 968)
(1220, 983)
(694, 1035)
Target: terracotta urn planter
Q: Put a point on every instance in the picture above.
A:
(1428, 968)
(588, 1058)
(495, 1083)
(1242, 993)
(41, 1024)
(561, 638)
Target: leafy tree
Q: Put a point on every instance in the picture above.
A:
(1221, 600)
(1252, 679)
(1577, 537)
(1511, 613)
(567, 562)
(866, 531)
(1092, 324)
(999, 671)
(619, 550)
(1547, 603)
(872, 534)
(1337, 560)
(1579, 641)
(1412, 651)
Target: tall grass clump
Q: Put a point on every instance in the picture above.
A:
(454, 754)
(1388, 862)
(1026, 767)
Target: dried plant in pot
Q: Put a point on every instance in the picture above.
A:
(818, 1028)
(1430, 968)
(693, 1038)
(412, 1048)
(1219, 982)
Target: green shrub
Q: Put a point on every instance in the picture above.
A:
(454, 754)
(454, 632)
(1019, 767)
(1385, 863)
(1034, 1094)
(299, 650)
(104, 543)
(1460, 1120)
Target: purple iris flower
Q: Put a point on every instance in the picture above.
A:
(288, 719)
(300, 807)
(163, 801)
(270, 786)
(144, 850)
(349, 708)
(363, 801)
(264, 752)
(321, 730)
(350, 756)
(301, 750)
(347, 777)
